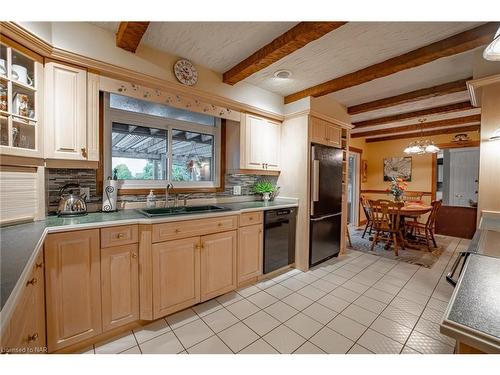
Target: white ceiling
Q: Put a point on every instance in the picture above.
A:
(215, 45)
(356, 45)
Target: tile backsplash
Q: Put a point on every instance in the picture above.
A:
(56, 178)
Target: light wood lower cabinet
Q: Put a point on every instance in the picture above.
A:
(250, 252)
(119, 285)
(176, 275)
(25, 331)
(73, 290)
(218, 264)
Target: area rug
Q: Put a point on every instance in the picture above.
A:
(421, 257)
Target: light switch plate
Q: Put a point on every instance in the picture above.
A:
(85, 191)
(237, 190)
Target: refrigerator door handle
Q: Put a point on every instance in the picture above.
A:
(326, 217)
(314, 184)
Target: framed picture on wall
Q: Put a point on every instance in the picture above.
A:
(397, 167)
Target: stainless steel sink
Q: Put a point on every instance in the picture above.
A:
(169, 211)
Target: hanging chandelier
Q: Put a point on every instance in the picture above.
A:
(421, 146)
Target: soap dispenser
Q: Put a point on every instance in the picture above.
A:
(151, 200)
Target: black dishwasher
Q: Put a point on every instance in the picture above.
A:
(279, 238)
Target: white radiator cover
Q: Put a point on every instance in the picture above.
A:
(21, 193)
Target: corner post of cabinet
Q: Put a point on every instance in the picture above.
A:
(145, 272)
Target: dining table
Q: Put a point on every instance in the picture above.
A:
(411, 210)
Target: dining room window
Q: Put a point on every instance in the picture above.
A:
(150, 145)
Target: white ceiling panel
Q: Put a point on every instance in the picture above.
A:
(351, 47)
(216, 45)
(437, 101)
(417, 134)
(440, 71)
(444, 116)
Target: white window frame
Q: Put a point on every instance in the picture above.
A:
(145, 120)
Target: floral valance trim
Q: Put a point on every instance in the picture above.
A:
(168, 98)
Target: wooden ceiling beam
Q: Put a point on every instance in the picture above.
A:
(453, 45)
(449, 108)
(129, 35)
(456, 130)
(418, 127)
(292, 40)
(410, 97)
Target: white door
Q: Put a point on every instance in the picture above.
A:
(65, 112)
(464, 174)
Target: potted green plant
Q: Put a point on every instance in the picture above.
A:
(264, 188)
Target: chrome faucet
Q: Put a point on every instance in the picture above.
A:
(169, 186)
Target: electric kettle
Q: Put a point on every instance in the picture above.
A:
(71, 204)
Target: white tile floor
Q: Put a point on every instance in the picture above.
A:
(357, 303)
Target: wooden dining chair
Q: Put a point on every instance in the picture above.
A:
(412, 196)
(425, 231)
(368, 214)
(386, 216)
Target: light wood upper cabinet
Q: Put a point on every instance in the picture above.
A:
(325, 133)
(250, 252)
(25, 331)
(218, 264)
(176, 275)
(253, 144)
(65, 112)
(120, 285)
(261, 142)
(73, 290)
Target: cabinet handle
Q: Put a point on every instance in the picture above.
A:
(84, 152)
(33, 337)
(134, 255)
(250, 218)
(197, 246)
(38, 265)
(120, 235)
(33, 281)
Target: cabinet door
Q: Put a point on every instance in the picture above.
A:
(65, 124)
(250, 240)
(272, 141)
(24, 332)
(176, 275)
(120, 285)
(318, 131)
(254, 142)
(218, 264)
(72, 275)
(333, 134)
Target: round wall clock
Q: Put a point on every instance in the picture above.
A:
(185, 72)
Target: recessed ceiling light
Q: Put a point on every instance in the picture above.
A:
(283, 74)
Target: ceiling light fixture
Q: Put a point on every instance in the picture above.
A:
(421, 146)
(282, 74)
(492, 51)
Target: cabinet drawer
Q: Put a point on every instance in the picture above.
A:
(251, 218)
(191, 228)
(122, 235)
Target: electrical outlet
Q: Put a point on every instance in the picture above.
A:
(85, 192)
(236, 190)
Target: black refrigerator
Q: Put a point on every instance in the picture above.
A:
(326, 203)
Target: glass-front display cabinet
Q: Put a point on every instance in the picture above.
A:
(21, 75)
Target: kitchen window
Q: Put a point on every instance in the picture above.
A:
(150, 145)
